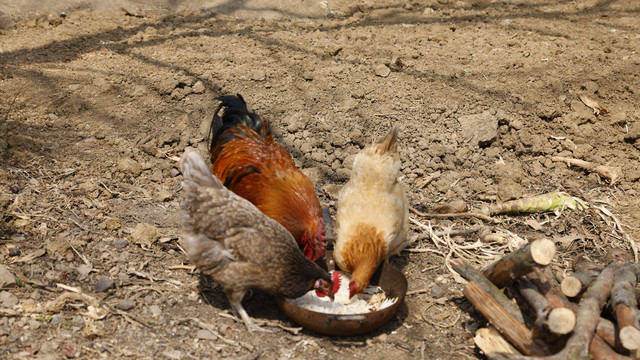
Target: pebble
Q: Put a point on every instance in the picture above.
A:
(206, 335)
(155, 310)
(381, 70)
(56, 319)
(436, 292)
(78, 321)
(126, 304)
(120, 243)
(7, 299)
(130, 166)
(481, 128)
(6, 278)
(34, 324)
(145, 234)
(84, 270)
(104, 283)
(174, 172)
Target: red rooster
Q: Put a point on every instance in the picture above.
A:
(251, 164)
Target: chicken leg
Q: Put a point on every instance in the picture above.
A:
(235, 299)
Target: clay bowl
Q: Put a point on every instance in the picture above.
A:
(389, 278)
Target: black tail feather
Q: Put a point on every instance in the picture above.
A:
(234, 113)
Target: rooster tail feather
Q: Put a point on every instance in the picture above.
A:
(388, 142)
(234, 114)
(196, 173)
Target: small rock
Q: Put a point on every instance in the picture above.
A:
(148, 299)
(174, 172)
(6, 22)
(130, 166)
(145, 234)
(174, 354)
(104, 283)
(120, 243)
(34, 324)
(162, 195)
(509, 190)
(7, 279)
(436, 292)
(382, 338)
(56, 320)
(381, 70)
(198, 87)
(68, 349)
(482, 128)
(155, 310)
(78, 321)
(74, 87)
(84, 270)
(258, 75)
(8, 300)
(52, 276)
(126, 304)
(206, 335)
(112, 224)
(139, 90)
(332, 190)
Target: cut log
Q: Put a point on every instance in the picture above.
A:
(520, 262)
(588, 317)
(582, 262)
(623, 300)
(471, 274)
(512, 329)
(600, 350)
(491, 342)
(548, 287)
(559, 321)
(574, 284)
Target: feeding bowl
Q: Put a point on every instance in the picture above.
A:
(389, 278)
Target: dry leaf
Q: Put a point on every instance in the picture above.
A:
(597, 108)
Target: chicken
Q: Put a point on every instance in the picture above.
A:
(251, 164)
(229, 239)
(372, 212)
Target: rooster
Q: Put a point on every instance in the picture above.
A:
(372, 212)
(251, 164)
(232, 241)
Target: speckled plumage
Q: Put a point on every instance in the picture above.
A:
(229, 239)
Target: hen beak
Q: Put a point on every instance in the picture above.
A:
(331, 296)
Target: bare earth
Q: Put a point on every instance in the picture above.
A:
(96, 106)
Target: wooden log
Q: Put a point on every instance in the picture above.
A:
(512, 329)
(574, 284)
(582, 262)
(548, 287)
(600, 350)
(607, 332)
(623, 301)
(491, 342)
(559, 321)
(588, 317)
(520, 262)
(471, 274)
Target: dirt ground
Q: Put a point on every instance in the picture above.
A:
(95, 106)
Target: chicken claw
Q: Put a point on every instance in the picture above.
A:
(238, 309)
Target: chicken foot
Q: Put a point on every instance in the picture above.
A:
(235, 299)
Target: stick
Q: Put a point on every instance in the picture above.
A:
(520, 262)
(587, 318)
(470, 274)
(547, 287)
(599, 350)
(490, 341)
(577, 282)
(454, 215)
(623, 299)
(610, 172)
(559, 321)
(507, 325)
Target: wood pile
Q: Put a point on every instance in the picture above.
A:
(592, 314)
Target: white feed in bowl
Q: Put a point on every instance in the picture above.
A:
(372, 299)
